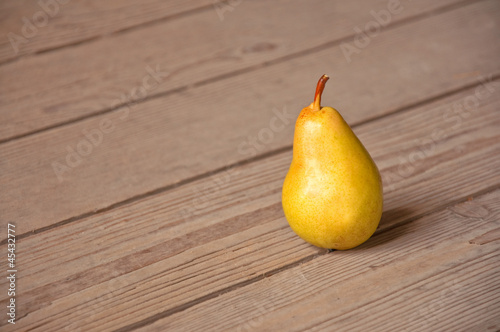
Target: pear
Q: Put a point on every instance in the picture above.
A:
(332, 194)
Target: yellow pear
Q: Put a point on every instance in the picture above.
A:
(332, 194)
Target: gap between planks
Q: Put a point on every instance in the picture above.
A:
(209, 80)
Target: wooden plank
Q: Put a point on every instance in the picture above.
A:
(169, 250)
(58, 23)
(424, 276)
(166, 140)
(72, 83)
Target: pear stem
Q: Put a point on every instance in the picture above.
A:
(319, 90)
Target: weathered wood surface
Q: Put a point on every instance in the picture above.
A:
(424, 276)
(174, 221)
(163, 141)
(203, 238)
(67, 23)
(94, 77)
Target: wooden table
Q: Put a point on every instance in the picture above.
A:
(143, 146)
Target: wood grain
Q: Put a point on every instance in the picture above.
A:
(159, 143)
(424, 276)
(54, 88)
(170, 250)
(73, 22)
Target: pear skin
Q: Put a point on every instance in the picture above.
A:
(332, 194)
